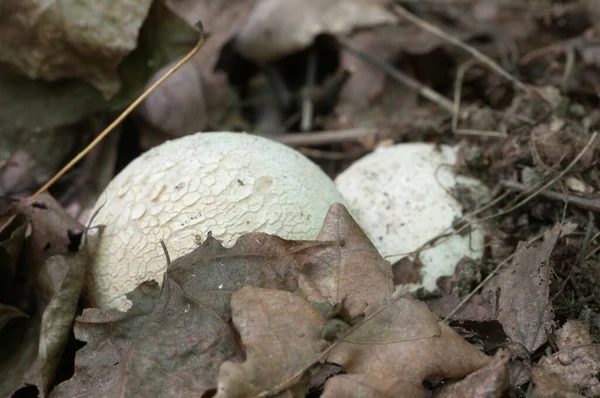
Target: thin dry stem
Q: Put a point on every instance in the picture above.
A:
(399, 76)
(581, 202)
(122, 116)
(484, 59)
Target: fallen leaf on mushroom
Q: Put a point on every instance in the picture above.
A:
(182, 338)
(227, 184)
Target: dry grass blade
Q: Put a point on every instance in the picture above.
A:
(123, 115)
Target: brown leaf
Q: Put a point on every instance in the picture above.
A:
(524, 307)
(12, 236)
(197, 96)
(276, 28)
(57, 319)
(281, 334)
(491, 381)
(58, 40)
(8, 313)
(573, 369)
(53, 230)
(352, 272)
(173, 344)
(397, 349)
(47, 291)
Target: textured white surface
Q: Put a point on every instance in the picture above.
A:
(227, 183)
(398, 195)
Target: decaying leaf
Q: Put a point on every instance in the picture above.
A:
(57, 319)
(197, 96)
(8, 313)
(491, 381)
(281, 335)
(53, 230)
(178, 339)
(12, 236)
(37, 105)
(45, 293)
(70, 39)
(181, 340)
(275, 28)
(573, 370)
(351, 273)
(396, 350)
(524, 307)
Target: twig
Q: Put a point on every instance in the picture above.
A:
(556, 178)
(307, 102)
(584, 203)
(401, 77)
(329, 137)
(456, 108)
(329, 155)
(166, 252)
(484, 59)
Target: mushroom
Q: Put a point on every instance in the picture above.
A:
(401, 197)
(228, 184)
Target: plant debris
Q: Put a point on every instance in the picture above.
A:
(513, 85)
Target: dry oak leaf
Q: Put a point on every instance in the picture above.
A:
(172, 342)
(53, 40)
(34, 346)
(573, 370)
(396, 349)
(524, 307)
(491, 381)
(276, 28)
(351, 273)
(281, 334)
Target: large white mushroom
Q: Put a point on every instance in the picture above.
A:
(226, 183)
(401, 197)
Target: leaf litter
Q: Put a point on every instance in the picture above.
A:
(252, 290)
(532, 146)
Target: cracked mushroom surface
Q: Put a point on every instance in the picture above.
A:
(226, 183)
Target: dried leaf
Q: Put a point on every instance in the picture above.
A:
(175, 343)
(491, 381)
(70, 39)
(281, 334)
(276, 28)
(46, 293)
(8, 313)
(53, 229)
(18, 353)
(352, 272)
(198, 95)
(396, 350)
(524, 307)
(12, 236)
(573, 369)
(59, 313)
(37, 105)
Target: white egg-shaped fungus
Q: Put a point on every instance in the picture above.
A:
(402, 198)
(228, 184)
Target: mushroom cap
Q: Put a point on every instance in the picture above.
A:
(225, 183)
(400, 196)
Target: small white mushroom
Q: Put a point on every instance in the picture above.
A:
(226, 183)
(401, 198)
